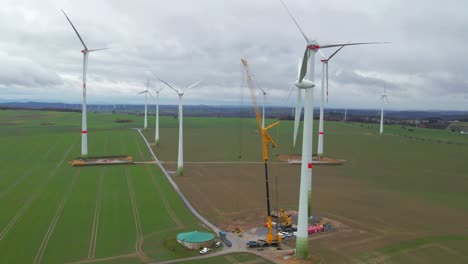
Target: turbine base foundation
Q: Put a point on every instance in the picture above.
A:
(180, 171)
(302, 247)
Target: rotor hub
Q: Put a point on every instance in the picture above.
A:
(313, 46)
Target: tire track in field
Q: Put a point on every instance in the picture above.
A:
(384, 258)
(159, 191)
(165, 202)
(231, 259)
(136, 217)
(142, 156)
(53, 223)
(130, 255)
(28, 172)
(33, 196)
(97, 210)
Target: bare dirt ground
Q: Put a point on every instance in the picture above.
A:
(366, 218)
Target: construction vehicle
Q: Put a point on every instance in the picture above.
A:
(238, 231)
(266, 140)
(286, 219)
(222, 236)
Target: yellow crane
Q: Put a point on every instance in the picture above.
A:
(266, 140)
(287, 219)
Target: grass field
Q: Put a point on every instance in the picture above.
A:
(53, 213)
(399, 196)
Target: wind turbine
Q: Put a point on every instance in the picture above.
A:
(383, 98)
(146, 92)
(264, 100)
(156, 133)
(180, 155)
(84, 128)
(324, 61)
(305, 192)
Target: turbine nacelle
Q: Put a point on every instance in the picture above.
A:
(304, 84)
(313, 46)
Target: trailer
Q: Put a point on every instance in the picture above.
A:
(222, 236)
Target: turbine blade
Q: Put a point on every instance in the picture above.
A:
(142, 92)
(78, 34)
(169, 85)
(299, 69)
(295, 22)
(334, 53)
(387, 99)
(191, 86)
(97, 49)
(304, 65)
(321, 54)
(351, 44)
(326, 80)
(261, 89)
(297, 115)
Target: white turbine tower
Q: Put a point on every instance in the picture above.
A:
(305, 191)
(265, 93)
(322, 99)
(383, 98)
(146, 92)
(84, 128)
(180, 155)
(156, 133)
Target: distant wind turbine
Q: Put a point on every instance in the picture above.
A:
(146, 92)
(324, 61)
(383, 98)
(265, 93)
(180, 156)
(156, 133)
(84, 129)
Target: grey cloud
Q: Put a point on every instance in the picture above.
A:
(184, 41)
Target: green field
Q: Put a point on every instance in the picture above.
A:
(53, 213)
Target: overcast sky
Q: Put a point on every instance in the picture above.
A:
(183, 41)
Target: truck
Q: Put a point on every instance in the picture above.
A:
(222, 236)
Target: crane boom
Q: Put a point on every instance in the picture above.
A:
(266, 139)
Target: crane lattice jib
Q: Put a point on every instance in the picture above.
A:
(266, 138)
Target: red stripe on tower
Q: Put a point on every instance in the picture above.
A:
(309, 165)
(84, 132)
(84, 85)
(320, 133)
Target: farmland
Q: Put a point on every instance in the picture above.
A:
(53, 213)
(400, 197)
